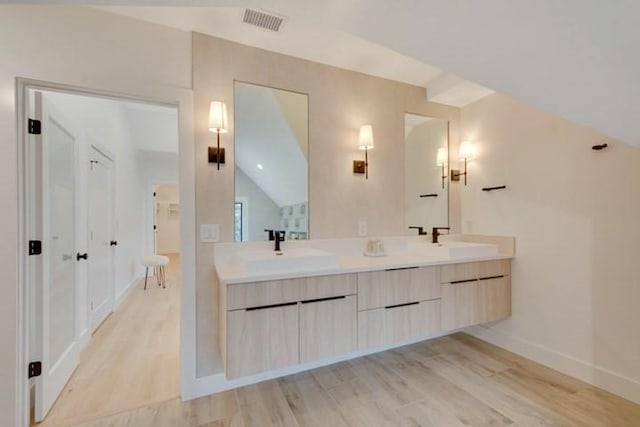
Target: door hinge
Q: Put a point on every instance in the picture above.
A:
(35, 247)
(35, 369)
(35, 127)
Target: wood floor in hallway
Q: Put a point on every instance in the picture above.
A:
(132, 360)
(453, 381)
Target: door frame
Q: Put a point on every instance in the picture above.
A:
(180, 98)
(112, 291)
(152, 243)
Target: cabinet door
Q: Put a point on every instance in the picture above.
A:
(378, 289)
(262, 339)
(387, 326)
(494, 299)
(327, 328)
(459, 305)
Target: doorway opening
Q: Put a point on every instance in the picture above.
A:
(105, 344)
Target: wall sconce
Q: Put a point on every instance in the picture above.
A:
(365, 142)
(466, 152)
(218, 125)
(441, 160)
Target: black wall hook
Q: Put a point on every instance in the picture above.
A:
(599, 147)
(501, 187)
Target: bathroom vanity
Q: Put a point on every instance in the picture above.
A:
(289, 318)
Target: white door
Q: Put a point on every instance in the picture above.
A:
(54, 199)
(101, 236)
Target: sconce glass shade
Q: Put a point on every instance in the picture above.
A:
(466, 150)
(365, 140)
(218, 117)
(441, 158)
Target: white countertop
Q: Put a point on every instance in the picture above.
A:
(231, 270)
(233, 273)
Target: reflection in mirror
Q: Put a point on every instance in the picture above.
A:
(426, 172)
(271, 159)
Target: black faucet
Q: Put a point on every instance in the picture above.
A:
(278, 237)
(271, 237)
(421, 231)
(434, 232)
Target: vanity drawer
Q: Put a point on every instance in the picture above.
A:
(328, 286)
(458, 272)
(257, 294)
(385, 326)
(501, 267)
(378, 289)
(262, 339)
(474, 270)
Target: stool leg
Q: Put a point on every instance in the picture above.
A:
(146, 275)
(164, 278)
(158, 275)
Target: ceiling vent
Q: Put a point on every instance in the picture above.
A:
(262, 19)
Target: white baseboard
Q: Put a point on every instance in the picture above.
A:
(216, 383)
(585, 371)
(120, 297)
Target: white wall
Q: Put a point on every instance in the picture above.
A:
(88, 48)
(261, 212)
(574, 213)
(168, 233)
(104, 123)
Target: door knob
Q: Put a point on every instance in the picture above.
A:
(80, 256)
(114, 243)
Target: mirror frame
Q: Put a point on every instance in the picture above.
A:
(448, 168)
(235, 110)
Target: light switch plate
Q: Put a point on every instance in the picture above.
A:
(209, 233)
(362, 228)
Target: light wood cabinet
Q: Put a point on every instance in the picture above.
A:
(275, 324)
(459, 305)
(394, 324)
(327, 328)
(377, 289)
(262, 339)
(475, 293)
(494, 299)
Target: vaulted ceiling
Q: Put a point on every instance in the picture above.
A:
(575, 58)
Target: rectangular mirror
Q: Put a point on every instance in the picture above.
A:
(271, 163)
(426, 148)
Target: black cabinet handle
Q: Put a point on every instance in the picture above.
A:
(264, 307)
(80, 256)
(114, 243)
(402, 305)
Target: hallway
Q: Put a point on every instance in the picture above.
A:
(132, 359)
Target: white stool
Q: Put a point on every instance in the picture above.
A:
(156, 262)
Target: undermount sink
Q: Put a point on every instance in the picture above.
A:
(288, 260)
(456, 250)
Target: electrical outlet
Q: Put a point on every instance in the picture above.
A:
(362, 228)
(209, 233)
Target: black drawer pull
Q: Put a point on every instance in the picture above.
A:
(402, 305)
(463, 281)
(309, 301)
(264, 307)
(401, 268)
(491, 277)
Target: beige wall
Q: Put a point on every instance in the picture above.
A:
(574, 213)
(339, 102)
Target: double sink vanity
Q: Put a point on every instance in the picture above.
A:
(320, 301)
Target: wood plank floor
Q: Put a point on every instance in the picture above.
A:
(452, 381)
(132, 360)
